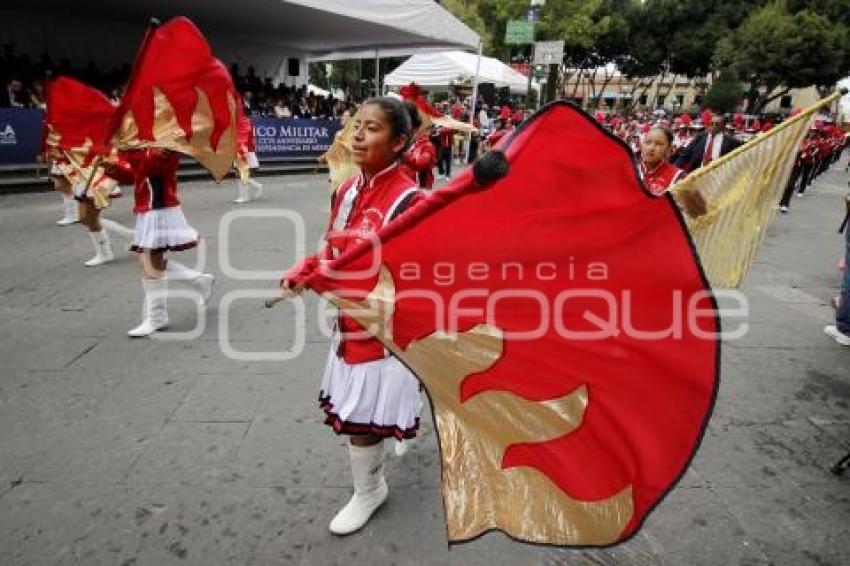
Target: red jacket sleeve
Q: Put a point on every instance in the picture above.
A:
(301, 270)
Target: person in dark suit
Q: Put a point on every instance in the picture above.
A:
(13, 95)
(708, 146)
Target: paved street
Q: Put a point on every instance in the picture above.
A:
(155, 452)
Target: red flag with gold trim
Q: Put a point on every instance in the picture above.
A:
(77, 118)
(179, 97)
(77, 129)
(561, 323)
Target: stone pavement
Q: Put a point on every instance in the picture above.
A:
(154, 452)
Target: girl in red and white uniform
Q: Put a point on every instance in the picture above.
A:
(160, 227)
(658, 173)
(246, 160)
(89, 215)
(420, 158)
(70, 213)
(366, 393)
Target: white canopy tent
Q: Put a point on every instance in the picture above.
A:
(261, 33)
(445, 68)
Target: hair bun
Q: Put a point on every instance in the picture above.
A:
(490, 167)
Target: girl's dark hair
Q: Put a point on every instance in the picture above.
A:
(666, 131)
(413, 112)
(397, 115)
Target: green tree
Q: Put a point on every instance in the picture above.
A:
(725, 93)
(776, 51)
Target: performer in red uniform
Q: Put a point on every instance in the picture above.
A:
(89, 214)
(658, 173)
(246, 159)
(160, 227)
(365, 392)
(70, 213)
(419, 159)
(808, 157)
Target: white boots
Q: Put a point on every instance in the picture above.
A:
(370, 489)
(175, 271)
(120, 229)
(71, 214)
(258, 188)
(244, 189)
(155, 309)
(100, 240)
(102, 249)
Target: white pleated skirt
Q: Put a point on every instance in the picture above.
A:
(163, 229)
(379, 397)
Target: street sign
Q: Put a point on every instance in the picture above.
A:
(548, 52)
(519, 32)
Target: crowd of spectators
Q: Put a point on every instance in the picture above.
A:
(23, 80)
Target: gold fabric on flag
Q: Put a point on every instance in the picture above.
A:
(451, 123)
(478, 493)
(742, 191)
(169, 135)
(338, 157)
(78, 168)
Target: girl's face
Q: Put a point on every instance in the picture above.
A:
(373, 146)
(654, 147)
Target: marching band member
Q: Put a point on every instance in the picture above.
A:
(419, 159)
(365, 392)
(246, 159)
(655, 169)
(160, 227)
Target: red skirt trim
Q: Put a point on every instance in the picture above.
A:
(180, 248)
(340, 426)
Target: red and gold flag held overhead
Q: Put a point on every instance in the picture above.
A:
(567, 341)
(179, 97)
(77, 128)
(429, 114)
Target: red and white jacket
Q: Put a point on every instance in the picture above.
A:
(153, 173)
(659, 178)
(359, 209)
(420, 157)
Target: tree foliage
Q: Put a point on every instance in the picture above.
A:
(771, 44)
(725, 93)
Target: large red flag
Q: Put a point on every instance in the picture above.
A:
(76, 130)
(78, 117)
(179, 97)
(562, 326)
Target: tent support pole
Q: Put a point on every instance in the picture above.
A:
(474, 100)
(377, 73)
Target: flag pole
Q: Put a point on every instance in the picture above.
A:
(805, 114)
(474, 99)
(153, 23)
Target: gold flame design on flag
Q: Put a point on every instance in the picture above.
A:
(78, 168)
(169, 135)
(742, 191)
(478, 493)
(338, 157)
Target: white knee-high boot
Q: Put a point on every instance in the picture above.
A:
(71, 215)
(118, 228)
(155, 309)
(244, 194)
(258, 188)
(176, 271)
(370, 489)
(102, 249)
